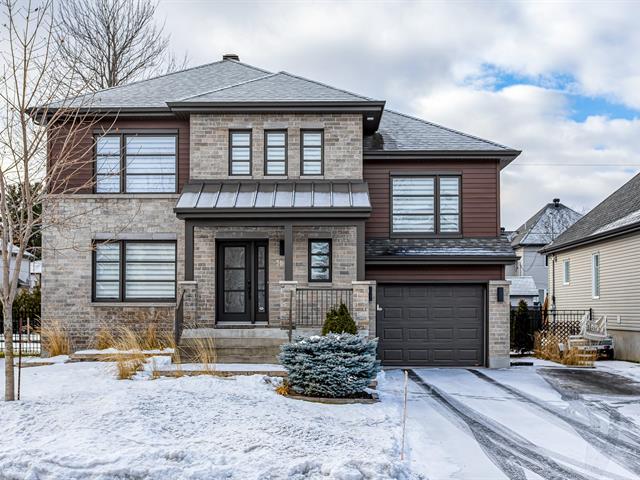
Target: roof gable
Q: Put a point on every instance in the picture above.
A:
(618, 213)
(548, 223)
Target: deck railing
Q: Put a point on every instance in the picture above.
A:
(312, 304)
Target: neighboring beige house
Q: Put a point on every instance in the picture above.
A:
(596, 264)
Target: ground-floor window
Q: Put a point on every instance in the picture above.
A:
(134, 271)
(319, 260)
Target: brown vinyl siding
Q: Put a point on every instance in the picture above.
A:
(480, 192)
(78, 176)
(452, 273)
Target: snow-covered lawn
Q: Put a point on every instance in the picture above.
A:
(76, 421)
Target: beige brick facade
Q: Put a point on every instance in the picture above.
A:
(210, 143)
(67, 260)
(498, 324)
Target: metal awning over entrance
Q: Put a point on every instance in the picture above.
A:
(293, 198)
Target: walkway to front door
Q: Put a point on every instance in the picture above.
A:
(241, 281)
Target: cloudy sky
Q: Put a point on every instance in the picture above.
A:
(560, 81)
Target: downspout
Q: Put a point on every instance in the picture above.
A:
(553, 281)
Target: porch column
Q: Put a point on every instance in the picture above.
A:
(188, 250)
(288, 252)
(360, 251)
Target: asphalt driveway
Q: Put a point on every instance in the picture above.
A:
(525, 422)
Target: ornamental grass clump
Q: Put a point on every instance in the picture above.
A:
(339, 320)
(333, 365)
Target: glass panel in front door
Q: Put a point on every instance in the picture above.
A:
(235, 269)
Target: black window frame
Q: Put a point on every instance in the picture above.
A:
(122, 298)
(266, 152)
(436, 233)
(123, 135)
(230, 152)
(302, 145)
(330, 255)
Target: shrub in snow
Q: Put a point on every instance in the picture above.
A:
(333, 365)
(339, 320)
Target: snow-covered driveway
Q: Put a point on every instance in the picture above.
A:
(525, 422)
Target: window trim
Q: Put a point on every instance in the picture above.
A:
(436, 207)
(123, 134)
(286, 152)
(566, 271)
(122, 273)
(230, 150)
(330, 255)
(595, 255)
(311, 130)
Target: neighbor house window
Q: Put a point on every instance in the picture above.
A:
(319, 260)
(566, 272)
(312, 152)
(240, 152)
(595, 275)
(136, 163)
(134, 271)
(426, 205)
(275, 152)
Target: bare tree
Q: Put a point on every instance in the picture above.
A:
(39, 111)
(113, 42)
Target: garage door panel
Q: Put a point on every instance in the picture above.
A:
(431, 324)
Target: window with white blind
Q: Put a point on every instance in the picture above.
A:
(595, 275)
(312, 152)
(136, 163)
(134, 271)
(425, 205)
(275, 152)
(240, 152)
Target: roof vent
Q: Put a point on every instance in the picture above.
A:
(556, 202)
(231, 56)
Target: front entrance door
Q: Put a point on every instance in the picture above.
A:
(241, 293)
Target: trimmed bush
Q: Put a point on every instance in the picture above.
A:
(339, 320)
(333, 365)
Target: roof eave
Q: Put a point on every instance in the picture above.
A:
(505, 156)
(442, 260)
(591, 239)
(272, 214)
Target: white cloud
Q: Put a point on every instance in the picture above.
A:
(441, 60)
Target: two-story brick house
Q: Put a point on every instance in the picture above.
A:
(241, 202)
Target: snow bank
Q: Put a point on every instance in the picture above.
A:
(76, 421)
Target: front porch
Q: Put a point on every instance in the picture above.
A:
(269, 273)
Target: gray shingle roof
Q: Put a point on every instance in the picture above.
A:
(522, 287)
(619, 212)
(398, 131)
(157, 91)
(548, 223)
(276, 87)
(493, 247)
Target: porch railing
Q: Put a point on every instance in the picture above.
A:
(312, 304)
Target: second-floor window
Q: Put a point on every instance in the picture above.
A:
(275, 152)
(136, 163)
(240, 152)
(425, 205)
(312, 152)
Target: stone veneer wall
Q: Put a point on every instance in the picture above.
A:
(210, 143)
(67, 259)
(499, 319)
(344, 262)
